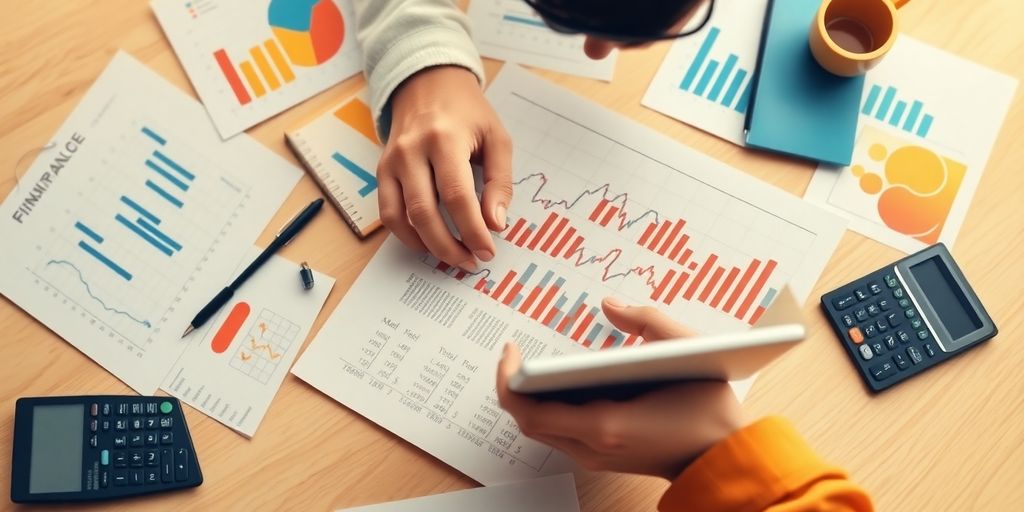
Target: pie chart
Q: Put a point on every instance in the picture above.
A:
(310, 31)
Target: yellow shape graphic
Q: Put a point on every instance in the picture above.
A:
(298, 46)
(917, 188)
(279, 61)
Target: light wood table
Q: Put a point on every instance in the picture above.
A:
(952, 439)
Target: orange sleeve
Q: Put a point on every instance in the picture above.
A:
(765, 466)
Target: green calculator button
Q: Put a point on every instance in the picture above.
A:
(166, 407)
(105, 457)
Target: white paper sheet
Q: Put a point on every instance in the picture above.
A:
(548, 494)
(249, 60)
(234, 365)
(928, 122)
(511, 31)
(116, 237)
(414, 344)
(706, 78)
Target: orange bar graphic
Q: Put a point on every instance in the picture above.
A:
(561, 243)
(554, 234)
(757, 315)
(608, 216)
(711, 285)
(524, 237)
(480, 284)
(647, 234)
(254, 81)
(227, 331)
(685, 256)
(228, 69)
(608, 341)
(572, 248)
(582, 327)
(674, 292)
(663, 284)
(725, 287)
(357, 115)
(264, 67)
(529, 299)
(460, 274)
(741, 285)
(679, 246)
(279, 61)
(550, 316)
(544, 302)
(631, 339)
(515, 229)
(598, 209)
(512, 294)
(761, 280)
(657, 237)
(543, 230)
(671, 237)
(504, 283)
(570, 318)
(443, 267)
(708, 263)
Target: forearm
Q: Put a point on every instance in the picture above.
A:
(765, 466)
(402, 37)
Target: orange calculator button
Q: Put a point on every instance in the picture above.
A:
(856, 335)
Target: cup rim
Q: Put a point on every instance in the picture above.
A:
(878, 52)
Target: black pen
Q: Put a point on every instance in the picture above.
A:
(279, 241)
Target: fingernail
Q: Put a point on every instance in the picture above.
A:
(501, 214)
(615, 303)
(484, 255)
(468, 265)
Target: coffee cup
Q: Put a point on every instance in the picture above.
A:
(849, 37)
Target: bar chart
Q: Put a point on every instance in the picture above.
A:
(711, 84)
(884, 105)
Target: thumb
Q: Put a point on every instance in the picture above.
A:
(497, 160)
(646, 321)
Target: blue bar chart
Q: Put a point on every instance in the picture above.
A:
(714, 80)
(884, 105)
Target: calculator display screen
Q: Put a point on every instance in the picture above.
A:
(57, 439)
(946, 297)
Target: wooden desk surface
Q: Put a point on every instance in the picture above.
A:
(948, 440)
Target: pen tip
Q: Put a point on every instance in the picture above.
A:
(187, 331)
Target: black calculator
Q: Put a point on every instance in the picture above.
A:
(905, 318)
(85, 448)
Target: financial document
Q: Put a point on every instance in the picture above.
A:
(234, 365)
(603, 207)
(118, 235)
(252, 59)
(548, 494)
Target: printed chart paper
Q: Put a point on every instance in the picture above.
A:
(115, 238)
(511, 31)
(548, 494)
(706, 78)
(928, 122)
(603, 206)
(340, 150)
(234, 365)
(252, 59)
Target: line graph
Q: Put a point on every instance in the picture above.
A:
(88, 290)
(268, 338)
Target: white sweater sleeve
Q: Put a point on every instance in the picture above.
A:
(401, 37)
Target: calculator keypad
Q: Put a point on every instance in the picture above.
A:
(881, 326)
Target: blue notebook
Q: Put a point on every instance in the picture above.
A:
(797, 107)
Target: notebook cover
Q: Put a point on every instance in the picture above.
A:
(340, 150)
(797, 107)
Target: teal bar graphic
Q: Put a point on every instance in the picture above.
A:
(722, 77)
(142, 211)
(174, 181)
(926, 124)
(741, 106)
(698, 60)
(869, 104)
(897, 113)
(106, 261)
(915, 110)
(705, 79)
(164, 194)
(525, 21)
(143, 235)
(88, 232)
(151, 134)
(734, 87)
(883, 109)
(174, 165)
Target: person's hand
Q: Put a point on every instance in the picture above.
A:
(658, 433)
(440, 122)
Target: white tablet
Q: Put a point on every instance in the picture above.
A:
(624, 372)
